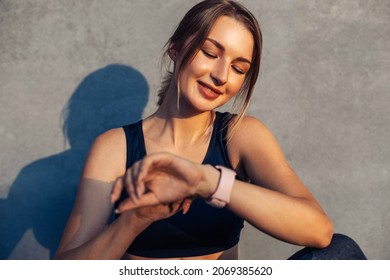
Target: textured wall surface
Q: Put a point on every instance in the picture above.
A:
(72, 69)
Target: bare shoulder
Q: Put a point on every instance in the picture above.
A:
(249, 131)
(252, 146)
(106, 159)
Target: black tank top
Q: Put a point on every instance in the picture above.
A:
(204, 229)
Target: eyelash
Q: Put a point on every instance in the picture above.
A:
(238, 70)
(207, 54)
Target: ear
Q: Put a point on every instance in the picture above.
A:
(172, 52)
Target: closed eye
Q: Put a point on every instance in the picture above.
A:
(208, 54)
(238, 70)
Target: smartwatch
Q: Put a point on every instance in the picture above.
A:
(221, 196)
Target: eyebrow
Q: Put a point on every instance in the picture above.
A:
(222, 48)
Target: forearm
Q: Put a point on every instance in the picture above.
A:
(291, 219)
(296, 220)
(111, 243)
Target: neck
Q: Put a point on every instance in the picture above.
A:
(184, 129)
(181, 123)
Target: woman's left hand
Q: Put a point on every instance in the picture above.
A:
(158, 179)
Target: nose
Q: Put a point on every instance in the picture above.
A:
(220, 73)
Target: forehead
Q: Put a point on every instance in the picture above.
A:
(233, 35)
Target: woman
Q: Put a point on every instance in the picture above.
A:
(177, 204)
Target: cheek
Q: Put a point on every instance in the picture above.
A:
(235, 85)
(199, 65)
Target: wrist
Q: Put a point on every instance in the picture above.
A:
(132, 220)
(209, 182)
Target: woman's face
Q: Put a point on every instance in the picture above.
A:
(218, 70)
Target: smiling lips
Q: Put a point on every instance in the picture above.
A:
(208, 91)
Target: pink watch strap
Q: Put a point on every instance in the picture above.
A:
(221, 197)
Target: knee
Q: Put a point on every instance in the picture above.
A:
(342, 239)
(341, 247)
(346, 247)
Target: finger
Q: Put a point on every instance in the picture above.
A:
(186, 205)
(180, 168)
(176, 206)
(147, 199)
(142, 172)
(116, 189)
(139, 186)
(130, 184)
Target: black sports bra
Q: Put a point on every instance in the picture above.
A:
(204, 229)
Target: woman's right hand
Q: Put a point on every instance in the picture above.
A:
(162, 178)
(149, 214)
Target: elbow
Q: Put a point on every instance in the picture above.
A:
(324, 235)
(59, 256)
(64, 255)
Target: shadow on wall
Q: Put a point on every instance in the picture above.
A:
(42, 195)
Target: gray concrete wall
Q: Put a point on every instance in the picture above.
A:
(71, 69)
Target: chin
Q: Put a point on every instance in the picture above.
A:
(202, 107)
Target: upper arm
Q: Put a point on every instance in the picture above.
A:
(92, 209)
(106, 159)
(263, 161)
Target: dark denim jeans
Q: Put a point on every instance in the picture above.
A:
(342, 247)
